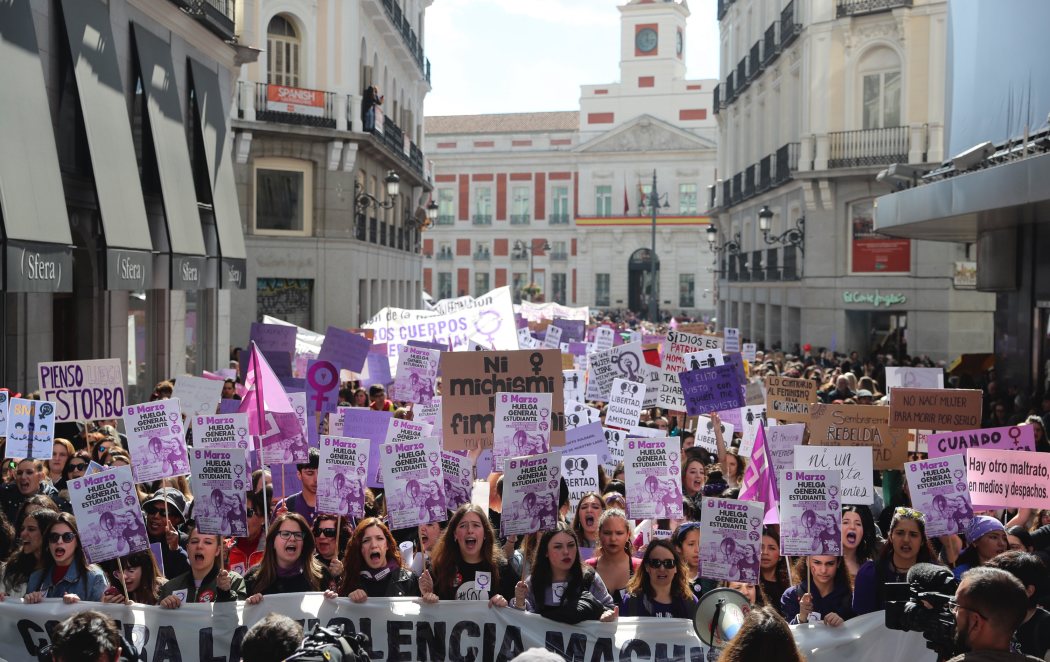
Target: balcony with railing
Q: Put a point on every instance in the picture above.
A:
(294, 105)
(727, 192)
(755, 63)
(560, 256)
(738, 187)
(789, 25)
(520, 219)
(483, 255)
(758, 272)
(445, 219)
(749, 181)
(403, 27)
(770, 172)
(765, 173)
(868, 147)
(742, 81)
(717, 105)
(482, 219)
(860, 7)
(557, 219)
(445, 254)
(769, 45)
(216, 15)
(785, 162)
(730, 90)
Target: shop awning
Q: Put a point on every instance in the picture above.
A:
(163, 109)
(213, 116)
(128, 258)
(38, 253)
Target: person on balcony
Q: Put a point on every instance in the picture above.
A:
(371, 99)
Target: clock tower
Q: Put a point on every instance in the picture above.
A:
(652, 42)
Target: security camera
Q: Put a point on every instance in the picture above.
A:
(974, 156)
(901, 173)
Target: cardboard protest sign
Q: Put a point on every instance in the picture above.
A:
(787, 399)
(415, 490)
(341, 476)
(220, 478)
(222, 431)
(781, 441)
(1008, 479)
(31, 433)
(360, 423)
(573, 384)
(4, 402)
(732, 339)
(471, 381)
(530, 494)
(271, 338)
(711, 389)
(417, 371)
(853, 464)
(198, 396)
(730, 540)
(677, 345)
(581, 476)
(1009, 438)
(616, 440)
(157, 440)
(754, 393)
(938, 490)
(810, 513)
(705, 433)
(108, 514)
(345, 349)
(459, 475)
(83, 390)
(625, 404)
(624, 361)
(653, 477)
(913, 377)
(579, 413)
(523, 426)
(935, 409)
(859, 425)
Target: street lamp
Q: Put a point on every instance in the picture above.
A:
(521, 246)
(362, 200)
(795, 236)
(653, 200)
(732, 246)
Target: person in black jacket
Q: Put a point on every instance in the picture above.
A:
(374, 568)
(289, 564)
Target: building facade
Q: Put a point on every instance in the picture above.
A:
(121, 237)
(327, 242)
(815, 100)
(561, 200)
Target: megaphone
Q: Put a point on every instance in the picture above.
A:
(719, 616)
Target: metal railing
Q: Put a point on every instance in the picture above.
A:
(557, 219)
(445, 254)
(758, 272)
(730, 89)
(717, 106)
(560, 255)
(482, 219)
(267, 111)
(218, 16)
(408, 35)
(786, 162)
(765, 173)
(749, 181)
(742, 81)
(727, 192)
(520, 219)
(769, 45)
(859, 7)
(482, 255)
(755, 63)
(789, 25)
(868, 147)
(738, 187)
(772, 271)
(445, 219)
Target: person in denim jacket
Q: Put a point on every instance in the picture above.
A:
(65, 573)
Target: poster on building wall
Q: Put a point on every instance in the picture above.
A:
(870, 252)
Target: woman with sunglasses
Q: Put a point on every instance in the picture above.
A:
(661, 588)
(823, 592)
(77, 465)
(614, 562)
(24, 561)
(374, 567)
(136, 579)
(585, 523)
(289, 564)
(329, 531)
(906, 546)
(66, 572)
(206, 580)
(686, 539)
(560, 588)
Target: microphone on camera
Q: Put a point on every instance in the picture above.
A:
(929, 577)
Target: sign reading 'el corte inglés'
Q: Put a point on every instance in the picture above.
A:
(875, 298)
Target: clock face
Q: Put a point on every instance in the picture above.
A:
(678, 42)
(645, 40)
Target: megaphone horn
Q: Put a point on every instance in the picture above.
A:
(719, 616)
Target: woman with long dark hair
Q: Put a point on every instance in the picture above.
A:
(764, 635)
(661, 588)
(858, 537)
(289, 564)
(823, 590)
(686, 539)
(585, 523)
(906, 546)
(65, 572)
(374, 568)
(467, 547)
(136, 579)
(615, 561)
(773, 569)
(329, 531)
(24, 561)
(560, 588)
(207, 580)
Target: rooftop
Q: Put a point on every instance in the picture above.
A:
(503, 123)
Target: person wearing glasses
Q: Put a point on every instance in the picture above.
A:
(374, 567)
(136, 579)
(165, 512)
(288, 564)
(989, 606)
(329, 531)
(65, 573)
(661, 589)
(15, 572)
(906, 546)
(206, 580)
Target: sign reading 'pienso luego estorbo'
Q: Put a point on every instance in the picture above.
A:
(83, 390)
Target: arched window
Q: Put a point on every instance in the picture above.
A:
(282, 41)
(880, 78)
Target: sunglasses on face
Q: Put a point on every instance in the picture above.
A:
(78, 466)
(327, 532)
(68, 536)
(667, 564)
(285, 535)
(155, 511)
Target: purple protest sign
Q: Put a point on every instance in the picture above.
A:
(377, 370)
(220, 478)
(730, 539)
(938, 490)
(571, 330)
(530, 494)
(654, 481)
(1009, 438)
(522, 426)
(345, 349)
(810, 515)
(273, 337)
(222, 431)
(157, 440)
(711, 389)
(341, 478)
(368, 424)
(32, 429)
(415, 491)
(458, 474)
(108, 514)
(417, 370)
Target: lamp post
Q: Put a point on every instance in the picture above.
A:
(520, 245)
(653, 200)
(795, 236)
(362, 200)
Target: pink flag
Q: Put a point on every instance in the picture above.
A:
(759, 483)
(271, 417)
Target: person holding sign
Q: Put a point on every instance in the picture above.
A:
(560, 588)
(823, 594)
(615, 562)
(662, 589)
(289, 564)
(66, 572)
(907, 545)
(136, 580)
(328, 531)
(374, 567)
(206, 580)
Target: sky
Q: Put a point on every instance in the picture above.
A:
(508, 56)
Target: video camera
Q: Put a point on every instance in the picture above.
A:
(921, 605)
(329, 644)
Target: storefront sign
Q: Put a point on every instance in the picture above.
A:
(875, 298)
(128, 270)
(294, 100)
(39, 268)
(233, 274)
(187, 272)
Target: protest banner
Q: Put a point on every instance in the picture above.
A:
(625, 404)
(4, 403)
(1009, 438)
(935, 409)
(523, 426)
(938, 490)
(1008, 479)
(534, 312)
(220, 479)
(273, 337)
(573, 384)
(360, 423)
(341, 476)
(344, 349)
(108, 514)
(579, 413)
(676, 346)
(711, 389)
(705, 433)
(730, 540)
(471, 381)
(413, 482)
(653, 477)
(859, 425)
(781, 441)
(416, 375)
(156, 440)
(787, 399)
(458, 472)
(853, 464)
(32, 433)
(581, 476)
(909, 377)
(732, 339)
(750, 418)
(198, 396)
(530, 494)
(810, 513)
(83, 390)
(624, 362)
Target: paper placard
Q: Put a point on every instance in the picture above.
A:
(705, 434)
(625, 362)
(222, 431)
(938, 489)
(913, 377)
(1009, 438)
(32, 429)
(579, 413)
(732, 339)
(417, 371)
(625, 404)
(935, 409)
(156, 440)
(342, 475)
(458, 473)
(413, 482)
(530, 494)
(220, 478)
(730, 540)
(84, 390)
(711, 389)
(852, 462)
(781, 441)
(787, 399)
(581, 475)
(523, 426)
(676, 346)
(108, 514)
(616, 441)
(810, 513)
(859, 425)
(1008, 479)
(653, 477)
(573, 384)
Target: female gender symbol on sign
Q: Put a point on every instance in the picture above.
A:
(323, 377)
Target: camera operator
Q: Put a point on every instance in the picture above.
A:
(272, 639)
(88, 636)
(988, 607)
(1034, 633)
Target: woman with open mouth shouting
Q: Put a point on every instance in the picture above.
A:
(374, 566)
(207, 580)
(136, 579)
(907, 545)
(65, 571)
(858, 538)
(467, 564)
(14, 575)
(585, 524)
(661, 588)
(427, 536)
(289, 564)
(615, 562)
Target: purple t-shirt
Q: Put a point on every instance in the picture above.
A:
(299, 505)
